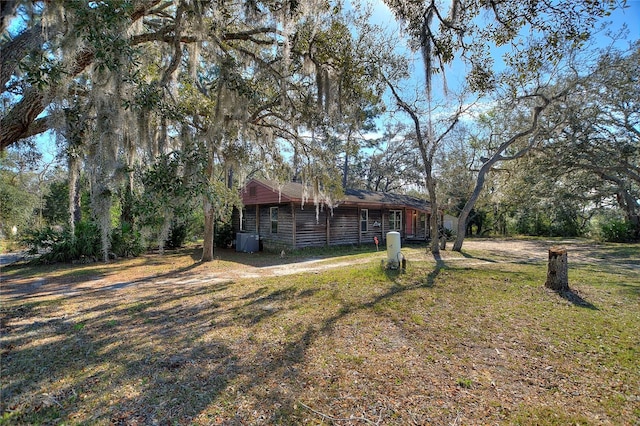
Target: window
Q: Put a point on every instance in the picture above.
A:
(364, 220)
(274, 219)
(395, 220)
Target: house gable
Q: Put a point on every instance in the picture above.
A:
(257, 192)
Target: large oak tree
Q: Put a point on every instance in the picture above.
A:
(222, 84)
(529, 34)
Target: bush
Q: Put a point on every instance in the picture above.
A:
(42, 240)
(616, 231)
(126, 242)
(177, 235)
(448, 233)
(224, 235)
(59, 245)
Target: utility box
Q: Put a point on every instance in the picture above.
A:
(394, 256)
(247, 243)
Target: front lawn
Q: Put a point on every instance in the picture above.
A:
(472, 340)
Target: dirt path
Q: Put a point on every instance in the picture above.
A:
(475, 252)
(527, 250)
(9, 258)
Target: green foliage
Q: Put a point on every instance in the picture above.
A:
(195, 224)
(566, 224)
(59, 245)
(465, 383)
(167, 195)
(17, 205)
(224, 234)
(40, 70)
(42, 239)
(223, 199)
(18, 191)
(528, 221)
(56, 203)
(616, 230)
(448, 233)
(550, 217)
(101, 25)
(126, 241)
(598, 153)
(177, 234)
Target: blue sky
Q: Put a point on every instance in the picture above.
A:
(456, 72)
(629, 16)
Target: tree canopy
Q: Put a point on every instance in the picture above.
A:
(214, 91)
(159, 106)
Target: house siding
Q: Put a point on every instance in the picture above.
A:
(344, 226)
(281, 239)
(375, 217)
(423, 225)
(250, 221)
(310, 231)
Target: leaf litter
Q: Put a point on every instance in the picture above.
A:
(480, 343)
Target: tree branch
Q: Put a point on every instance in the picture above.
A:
(17, 48)
(16, 124)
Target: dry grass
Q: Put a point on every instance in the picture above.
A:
(459, 341)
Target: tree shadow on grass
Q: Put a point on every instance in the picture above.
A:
(631, 289)
(431, 277)
(577, 300)
(62, 287)
(393, 274)
(172, 350)
(295, 351)
(468, 255)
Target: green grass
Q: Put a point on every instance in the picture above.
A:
(458, 341)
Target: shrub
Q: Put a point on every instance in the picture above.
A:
(616, 230)
(224, 234)
(42, 240)
(126, 242)
(177, 235)
(59, 245)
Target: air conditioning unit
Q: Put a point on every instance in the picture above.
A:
(247, 243)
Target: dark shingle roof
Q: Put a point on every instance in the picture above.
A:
(386, 198)
(295, 191)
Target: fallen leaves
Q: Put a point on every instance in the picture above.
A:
(478, 346)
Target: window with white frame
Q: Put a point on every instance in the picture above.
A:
(395, 220)
(364, 220)
(273, 213)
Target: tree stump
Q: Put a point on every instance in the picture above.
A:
(557, 272)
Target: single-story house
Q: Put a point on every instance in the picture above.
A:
(285, 216)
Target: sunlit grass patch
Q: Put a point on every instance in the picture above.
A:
(477, 341)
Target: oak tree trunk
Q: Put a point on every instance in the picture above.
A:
(209, 224)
